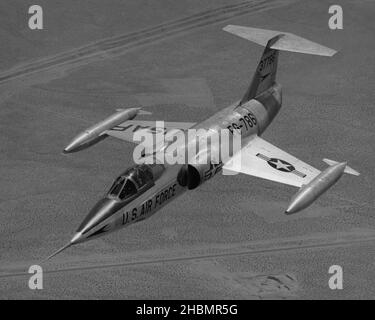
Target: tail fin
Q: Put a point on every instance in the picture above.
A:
(265, 74)
(274, 41)
(347, 170)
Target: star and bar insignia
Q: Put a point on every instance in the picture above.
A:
(281, 165)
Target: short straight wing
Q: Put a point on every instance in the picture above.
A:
(126, 130)
(261, 159)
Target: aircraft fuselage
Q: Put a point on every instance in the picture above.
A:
(110, 214)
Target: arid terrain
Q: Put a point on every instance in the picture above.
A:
(229, 239)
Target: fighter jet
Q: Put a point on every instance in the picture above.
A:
(143, 189)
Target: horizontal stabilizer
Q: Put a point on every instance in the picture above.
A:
(140, 112)
(347, 170)
(286, 41)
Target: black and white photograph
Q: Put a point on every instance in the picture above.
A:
(206, 152)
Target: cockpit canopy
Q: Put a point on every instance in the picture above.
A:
(131, 182)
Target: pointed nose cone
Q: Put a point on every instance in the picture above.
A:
(99, 213)
(77, 238)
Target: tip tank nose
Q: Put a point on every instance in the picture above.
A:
(315, 188)
(76, 142)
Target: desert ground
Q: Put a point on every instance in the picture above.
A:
(229, 239)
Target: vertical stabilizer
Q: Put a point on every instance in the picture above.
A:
(274, 41)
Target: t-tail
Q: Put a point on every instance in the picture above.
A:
(265, 74)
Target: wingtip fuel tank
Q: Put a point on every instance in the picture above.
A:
(96, 132)
(308, 193)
